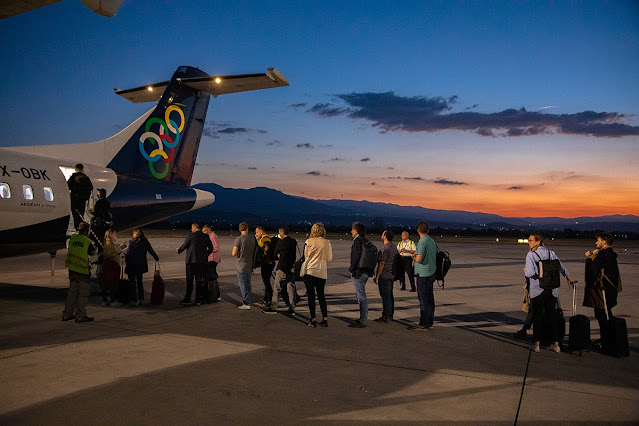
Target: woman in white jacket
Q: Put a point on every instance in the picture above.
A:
(317, 254)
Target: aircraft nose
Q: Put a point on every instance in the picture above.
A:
(202, 199)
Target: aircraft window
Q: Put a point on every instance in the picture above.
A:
(48, 193)
(27, 191)
(5, 190)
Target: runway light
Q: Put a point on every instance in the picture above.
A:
(218, 80)
(150, 89)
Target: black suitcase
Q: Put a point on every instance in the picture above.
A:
(127, 292)
(614, 338)
(579, 332)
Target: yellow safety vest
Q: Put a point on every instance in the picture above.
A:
(77, 259)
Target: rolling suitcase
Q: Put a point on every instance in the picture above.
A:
(614, 338)
(157, 290)
(579, 333)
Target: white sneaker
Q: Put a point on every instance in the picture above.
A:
(244, 307)
(535, 347)
(555, 348)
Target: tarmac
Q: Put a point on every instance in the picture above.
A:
(215, 364)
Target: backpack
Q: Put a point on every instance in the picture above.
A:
(442, 265)
(261, 256)
(83, 187)
(368, 259)
(549, 272)
(270, 254)
(395, 268)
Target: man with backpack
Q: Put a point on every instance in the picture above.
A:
(264, 261)
(81, 188)
(360, 269)
(284, 251)
(425, 258)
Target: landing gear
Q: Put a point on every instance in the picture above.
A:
(52, 253)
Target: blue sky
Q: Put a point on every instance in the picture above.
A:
(453, 69)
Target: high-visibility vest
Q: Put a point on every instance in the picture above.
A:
(411, 246)
(77, 259)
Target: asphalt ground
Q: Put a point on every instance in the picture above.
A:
(214, 364)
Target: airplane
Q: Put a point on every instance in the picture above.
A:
(146, 169)
(9, 8)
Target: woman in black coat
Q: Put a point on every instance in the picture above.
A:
(136, 263)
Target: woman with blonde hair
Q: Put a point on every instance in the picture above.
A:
(317, 254)
(111, 266)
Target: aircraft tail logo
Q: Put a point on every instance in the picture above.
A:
(166, 135)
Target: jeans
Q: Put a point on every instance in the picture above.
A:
(266, 270)
(291, 290)
(312, 284)
(426, 300)
(244, 279)
(78, 295)
(360, 292)
(386, 292)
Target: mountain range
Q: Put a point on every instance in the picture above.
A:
(266, 206)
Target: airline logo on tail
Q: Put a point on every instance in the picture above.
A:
(167, 135)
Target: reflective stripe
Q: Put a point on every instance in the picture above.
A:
(77, 258)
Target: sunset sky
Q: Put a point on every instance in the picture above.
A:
(518, 108)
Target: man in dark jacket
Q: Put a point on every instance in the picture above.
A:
(198, 247)
(603, 273)
(359, 276)
(285, 251)
(81, 188)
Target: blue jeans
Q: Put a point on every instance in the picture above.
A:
(386, 292)
(426, 300)
(244, 279)
(360, 292)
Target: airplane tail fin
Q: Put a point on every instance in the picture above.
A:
(165, 145)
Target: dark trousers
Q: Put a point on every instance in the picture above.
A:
(530, 317)
(314, 284)
(211, 271)
(386, 292)
(197, 271)
(407, 264)
(78, 206)
(544, 316)
(137, 280)
(600, 314)
(426, 300)
(267, 270)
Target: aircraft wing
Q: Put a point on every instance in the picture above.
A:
(215, 85)
(9, 8)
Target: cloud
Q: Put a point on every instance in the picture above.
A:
(392, 113)
(365, 160)
(516, 188)
(304, 145)
(413, 178)
(336, 159)
(327, 110)
(233, 130)
(252, 168)
(373, 183)
(314, 173)
(208, 131)
(448, 182)
(274, 143)
(301, 105)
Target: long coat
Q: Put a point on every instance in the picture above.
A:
(602, 272)
(135, 256)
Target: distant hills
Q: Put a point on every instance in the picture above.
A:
(269, 206)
